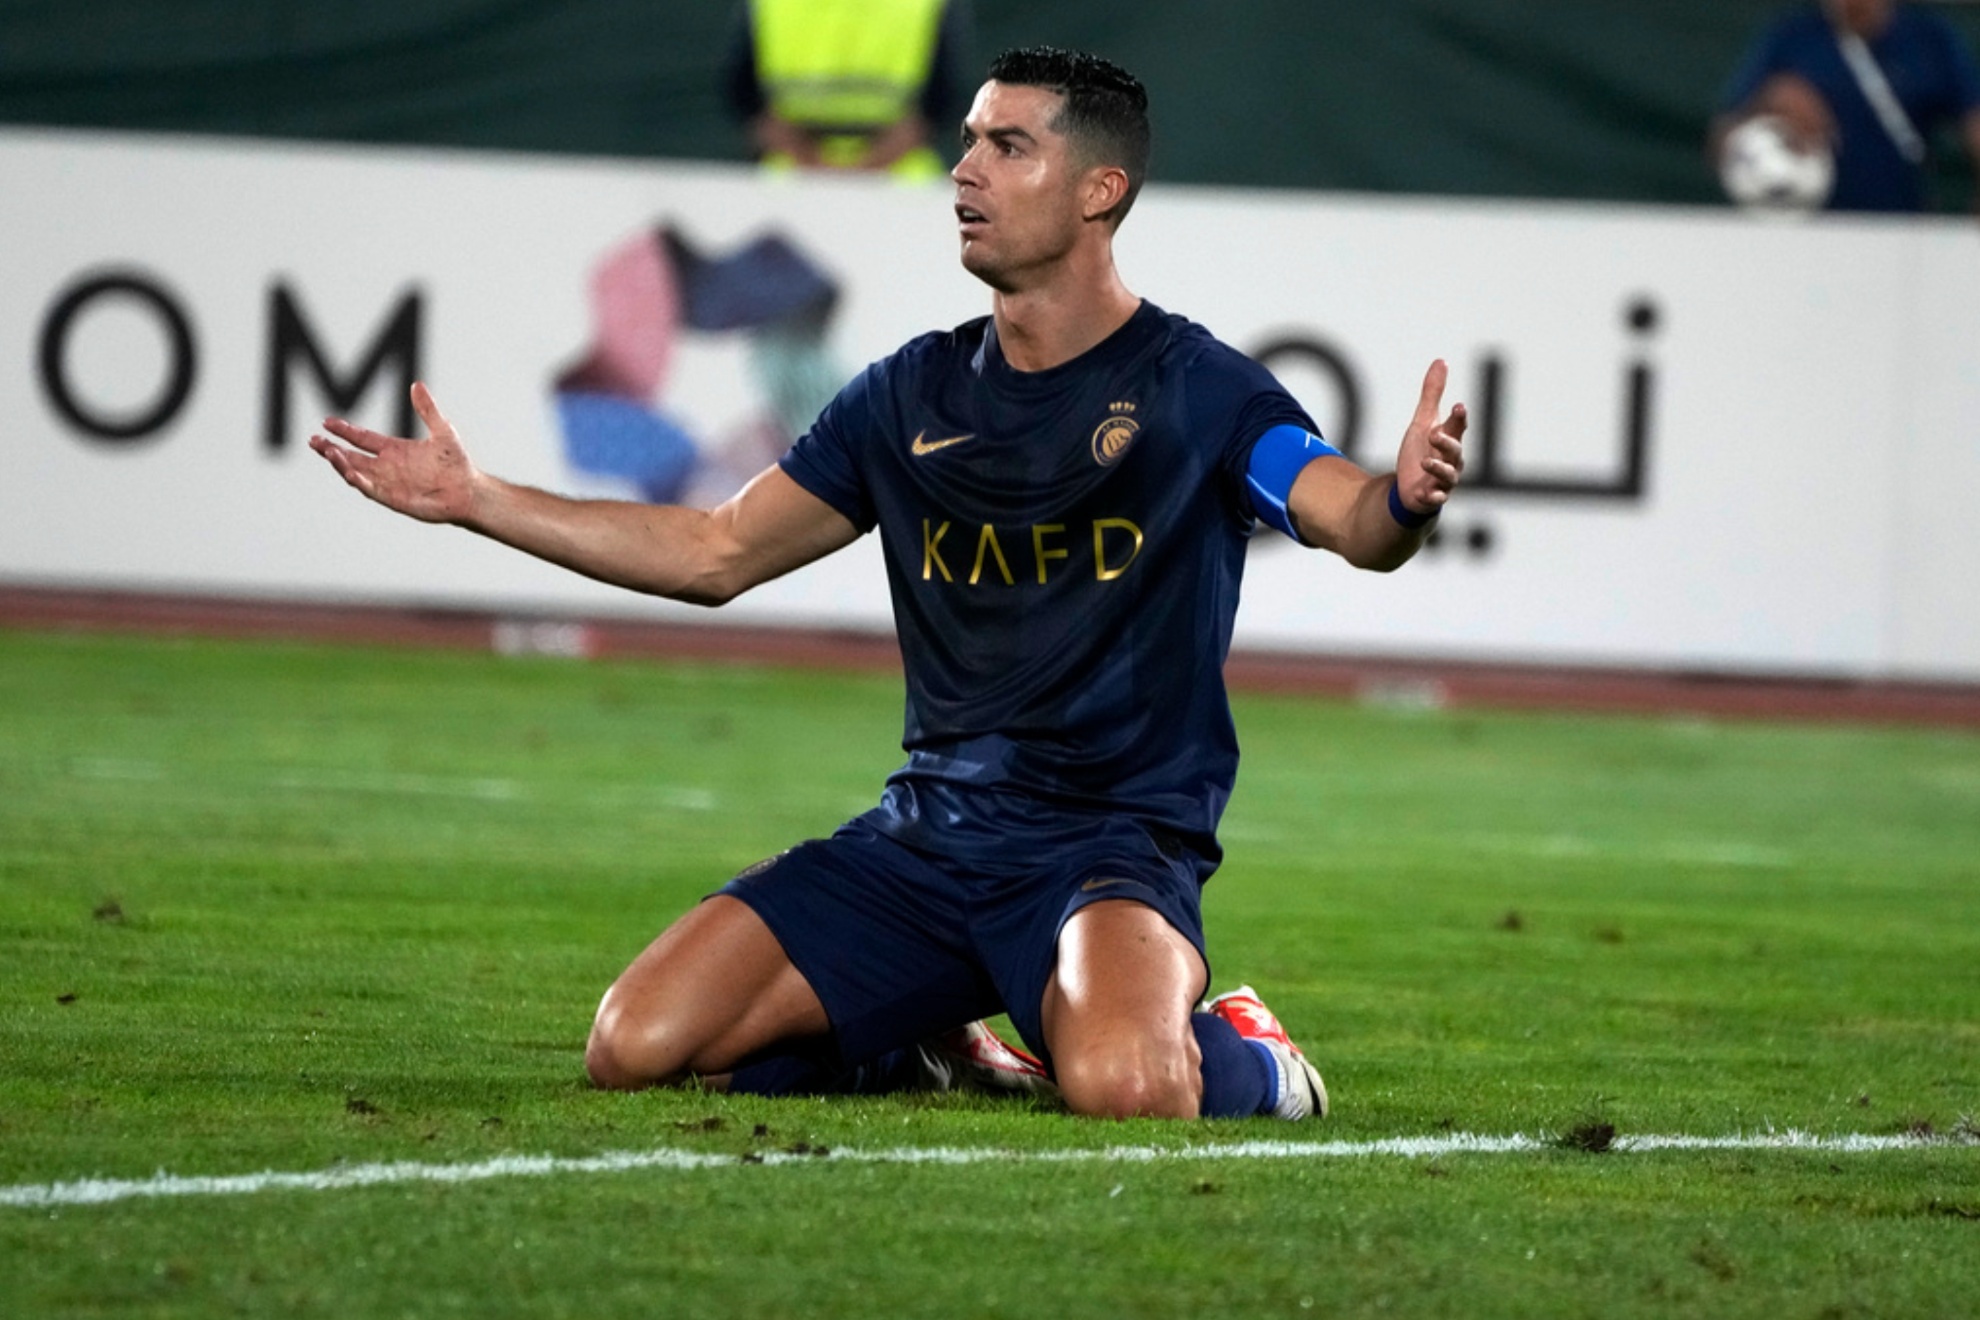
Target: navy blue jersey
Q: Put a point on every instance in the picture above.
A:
(1064, 549)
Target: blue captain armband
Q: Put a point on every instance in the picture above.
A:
(1276, 462)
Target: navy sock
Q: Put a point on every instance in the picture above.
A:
(818, 1072)
(1238, 1080)
(782, 1074)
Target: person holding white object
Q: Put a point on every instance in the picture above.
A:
(1836, 105)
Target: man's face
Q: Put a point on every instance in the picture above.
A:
(1866, 18)
(1017, 186)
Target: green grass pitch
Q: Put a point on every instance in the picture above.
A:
(310, 909)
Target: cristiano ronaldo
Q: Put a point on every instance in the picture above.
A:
(1063, 491)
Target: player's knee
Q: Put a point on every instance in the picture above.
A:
(1141, 1081)
(605, 1064)
(625, 1053)
(605, 1059)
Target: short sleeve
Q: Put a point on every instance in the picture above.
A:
(1237, 401)
(826, 460)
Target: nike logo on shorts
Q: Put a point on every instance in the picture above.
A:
(922, 447)
(1102, 882)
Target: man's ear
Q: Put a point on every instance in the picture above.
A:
(1106, 187)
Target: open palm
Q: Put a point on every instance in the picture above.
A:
(431, 479)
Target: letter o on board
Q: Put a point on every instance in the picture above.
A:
(182, 366)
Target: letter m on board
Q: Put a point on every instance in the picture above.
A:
(293, 341)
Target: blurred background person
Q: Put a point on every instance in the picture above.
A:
(1863, 83)
(849, 84)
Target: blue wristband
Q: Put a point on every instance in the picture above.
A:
(1403, 514)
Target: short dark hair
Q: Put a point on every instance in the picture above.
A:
(1105, 116)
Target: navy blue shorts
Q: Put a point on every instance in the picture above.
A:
(900, 944)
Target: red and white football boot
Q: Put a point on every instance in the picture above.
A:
(974, 1058)
(1298, 1091)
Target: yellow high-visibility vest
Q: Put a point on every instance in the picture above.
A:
(844, 64)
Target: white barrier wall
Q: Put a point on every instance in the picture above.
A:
(1699, 440)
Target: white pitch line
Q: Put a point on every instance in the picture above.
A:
(101, 1191)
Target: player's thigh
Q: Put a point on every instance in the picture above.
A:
(1116, 1011)
(1121, 966)
(880, 933)
(1037, 935)
(714, 988)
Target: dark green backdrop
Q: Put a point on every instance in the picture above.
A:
(1546, 98)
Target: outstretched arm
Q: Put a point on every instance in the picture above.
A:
(704, 557)
(1339, 507)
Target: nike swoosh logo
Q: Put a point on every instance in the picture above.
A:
(1102, 882)
(921, 447)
